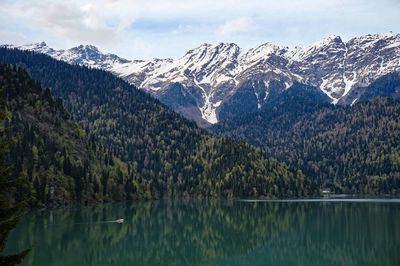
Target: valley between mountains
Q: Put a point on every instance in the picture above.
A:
(221, 121)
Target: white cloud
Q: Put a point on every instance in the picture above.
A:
(67, 19)
(10, 37)
(238, 25)
(167, 28)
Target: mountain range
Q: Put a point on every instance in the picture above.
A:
(102, 139)
(149, 151)
(211, 83)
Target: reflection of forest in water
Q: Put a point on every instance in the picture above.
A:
(333, 233)
(213, 232)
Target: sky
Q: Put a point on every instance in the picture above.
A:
(146, 29)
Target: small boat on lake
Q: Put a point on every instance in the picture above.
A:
(120, 221)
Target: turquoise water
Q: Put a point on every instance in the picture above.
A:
(308, 232)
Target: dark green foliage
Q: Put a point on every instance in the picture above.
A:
(349, 149)
(176, 96)
(388, 85)
(51, 153)
(301, 97)
(182, 233)
(162, 153)
(244, 101)
(10, 211)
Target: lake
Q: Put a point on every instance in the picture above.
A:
(196, 232)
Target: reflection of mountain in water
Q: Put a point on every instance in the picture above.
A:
(332, 234)
(154, 233)
(215, 233)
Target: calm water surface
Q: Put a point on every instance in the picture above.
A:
(333, 232)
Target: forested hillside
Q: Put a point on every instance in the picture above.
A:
(349, 149)
(159, 153)
(51, 152)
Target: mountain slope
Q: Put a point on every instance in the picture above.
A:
(350, 149)
(215, 78)
(165, 154)
(387, 85)
(51, 152)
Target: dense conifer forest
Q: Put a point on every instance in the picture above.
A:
(124, 144)
(114, 142)
(348, 149)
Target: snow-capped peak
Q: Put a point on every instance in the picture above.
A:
(40, 47)
(86, 48)
(261, 52)
(209, 51)
(388, 34)
(88, 55)
(330, 41)
(213, 73)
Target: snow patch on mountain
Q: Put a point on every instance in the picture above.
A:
(214, 73)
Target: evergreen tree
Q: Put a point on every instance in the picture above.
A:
(347, 149)
(10, 212)
(118, 129)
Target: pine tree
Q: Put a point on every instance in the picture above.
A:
(10, 212)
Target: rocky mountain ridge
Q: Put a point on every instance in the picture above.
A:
(211, 80)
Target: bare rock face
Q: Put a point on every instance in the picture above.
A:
(337, 68)
(215, 82)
